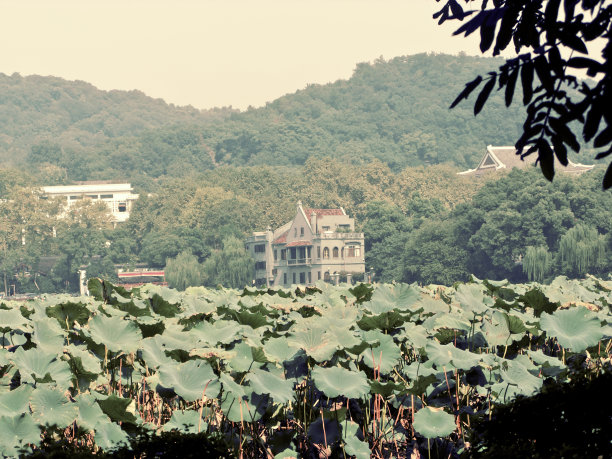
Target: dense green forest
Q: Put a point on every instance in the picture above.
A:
(395, 111)
(382, 144)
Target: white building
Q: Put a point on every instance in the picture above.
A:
(117, 196)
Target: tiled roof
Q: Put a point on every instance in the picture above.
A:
(299, 243)
(281, 239)
(506, 158)
(321, 212)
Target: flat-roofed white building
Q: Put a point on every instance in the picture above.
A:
(117, 196)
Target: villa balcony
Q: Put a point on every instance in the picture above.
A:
(339, 236)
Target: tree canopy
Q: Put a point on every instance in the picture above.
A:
(552, 40)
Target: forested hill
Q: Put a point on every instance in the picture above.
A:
(396, 111)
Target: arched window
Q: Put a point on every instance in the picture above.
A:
(326, 252)
(335, 252)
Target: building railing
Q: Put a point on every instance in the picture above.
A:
(299, 261)
(340, 235)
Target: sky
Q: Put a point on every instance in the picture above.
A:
(215, 53)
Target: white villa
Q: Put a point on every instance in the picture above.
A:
(117, 196)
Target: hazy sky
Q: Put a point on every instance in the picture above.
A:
(214, 53)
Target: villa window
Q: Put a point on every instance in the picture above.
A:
(335, 252)
(275, 255)
(301, 231)
(294, 278)
(302, 278)
(318, 251)
(283, 255)
(284, 278)
(260, 248)
(326, 252)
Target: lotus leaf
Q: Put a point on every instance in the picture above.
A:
(153, 352)
(66, 313)
(337, 381)
(517, 375)
(575, 328)
(16, 401)
(389, 297)
(33, 363)
(446, 320)
(315, 342)
(343, 338)
(115, 333)
(430, 305)
(85, 362)
(245, 357)
(13, 320)
(16, 432)
(50, 407)
(48, 335)
(385, 389)
(287, 454)
(353, 445)
(221, 331)
(278, 349)
(109, 436)
(197, 305)
(448, 355)
(413, 335)
(119, 409)
(472, 298)
(266, 382)
(434, 422)
(185, 422)
(383, 356)
(90, 413)
(248, 408)
(189, 379)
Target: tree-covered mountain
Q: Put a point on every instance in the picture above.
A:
(395, 111)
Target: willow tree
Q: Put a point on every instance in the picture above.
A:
(183, 271)
(232, 266)
(537, 263)
(582, 249)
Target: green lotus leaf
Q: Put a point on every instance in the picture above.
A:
(16, 432)
(174, 338)
(343, 338)
(341, 316)
(245, 358)
(67, 313)
(287, 454)
(33, 363)
(153, 352)
(253, 320)
(338, 381)
(575, 328)
(150, 326)
(517, 375)
(434, 422)
(387, 298)
(13, 320)
(315, 342)
(385, 389)
(431, 305)
(446, 320)
(118, 409)
(109, 436)
(229, 385)
(353, 445)
(266, 382)
(84, 361)
(221, 331)
(90, 413)
(4, 357)
(383, 356)
(51, 408)
(248, 408)
(472, 298)
(189, 379)
(15, 401)
(186, 422)
(413, 335)
(115, 333)
(448, 355)
(197, 305)
(48, 335)
(385, 321)
(278, 349)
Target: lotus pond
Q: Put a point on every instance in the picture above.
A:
(380, 371)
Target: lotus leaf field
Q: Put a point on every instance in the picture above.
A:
(363, 371)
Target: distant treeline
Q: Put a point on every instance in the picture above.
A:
(423, 224)
(395, 111)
